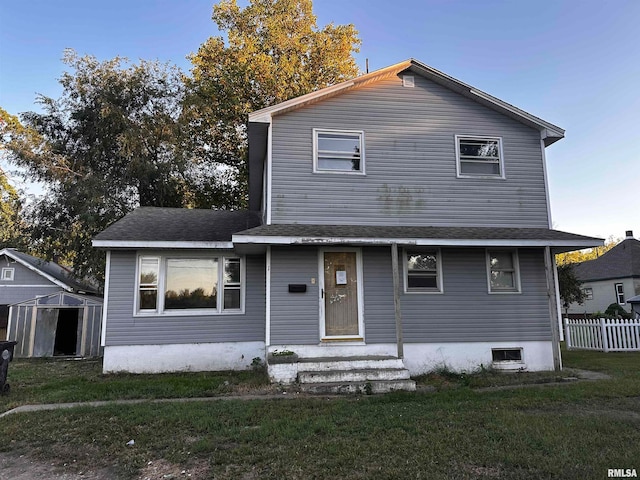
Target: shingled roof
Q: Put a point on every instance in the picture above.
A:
(154, 226)
(419, 235)
(622, 261)
(50, 270)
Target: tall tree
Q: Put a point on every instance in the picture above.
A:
(569, 286)
(587, 254)
(113, 140)
(12, 225)
(273, 51)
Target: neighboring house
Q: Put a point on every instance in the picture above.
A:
(635, 306)
(45, 308)
(403, 177)
(612, 278)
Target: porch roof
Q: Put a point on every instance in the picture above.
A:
(296, 234)
(155, 227)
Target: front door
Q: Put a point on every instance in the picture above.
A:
(340, 295)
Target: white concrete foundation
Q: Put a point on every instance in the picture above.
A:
(420, 358)
(194, 357)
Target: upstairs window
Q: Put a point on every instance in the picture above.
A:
(503, 271)
(338, 151)
(7, 274)
(423, 272)
(479, 157)
(588, 293)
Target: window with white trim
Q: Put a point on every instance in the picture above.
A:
(503, 271)
(338, 151)
(479, 156)
(7, 274)
(588, 293)
(170, 285)
(423, 272)
(620, 293)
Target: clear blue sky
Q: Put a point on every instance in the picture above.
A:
(573, 63)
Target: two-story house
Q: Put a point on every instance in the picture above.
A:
(399, 217)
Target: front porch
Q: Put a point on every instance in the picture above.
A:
(342, 374)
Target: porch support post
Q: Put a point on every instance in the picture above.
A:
(396, 298)
(553, 307)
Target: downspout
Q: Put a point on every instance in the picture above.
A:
(396, 299)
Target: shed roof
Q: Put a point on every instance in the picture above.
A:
(50, 270)
(176, 228)
(622, 261)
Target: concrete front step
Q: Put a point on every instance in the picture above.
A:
(365, 387)
(323, 365)
(353, 375)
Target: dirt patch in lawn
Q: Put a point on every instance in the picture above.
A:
(21, 467)
(162, 469)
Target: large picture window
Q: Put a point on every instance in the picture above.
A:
(168, 285)
(337, 151)
(503, 271)
(423, 271)
(479, 157)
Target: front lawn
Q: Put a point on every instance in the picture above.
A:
(570, 431)
(35, 381)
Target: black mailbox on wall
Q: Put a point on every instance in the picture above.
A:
(297, 288)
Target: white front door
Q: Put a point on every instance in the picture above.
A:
(341, 294)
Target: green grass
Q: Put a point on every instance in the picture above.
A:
(36, 381)
(570, 431)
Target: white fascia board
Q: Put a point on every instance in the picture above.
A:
(268, 240)
(8, 253)
(264, 114)
(546, 129)
(159, 244)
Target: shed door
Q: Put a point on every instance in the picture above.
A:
(340, 295)
(45, 332)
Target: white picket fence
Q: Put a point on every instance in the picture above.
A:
(603, 334)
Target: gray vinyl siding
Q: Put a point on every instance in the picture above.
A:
(26, 284)
(125, 329)
(464, 312)
(294, 316)
(410, 162)
(10, 295)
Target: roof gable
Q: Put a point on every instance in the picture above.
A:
(621, 261)
(549, 132)
(49, 270)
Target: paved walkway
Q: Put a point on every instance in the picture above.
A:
(104, 403)
(571, 374)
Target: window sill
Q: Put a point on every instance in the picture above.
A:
(424, 292)
(194, 313)
(482, 177)
(511, 292)
(339, 172)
